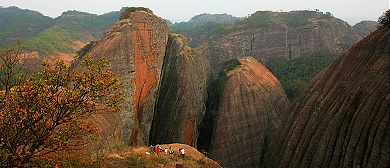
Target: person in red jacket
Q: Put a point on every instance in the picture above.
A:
(158, 149)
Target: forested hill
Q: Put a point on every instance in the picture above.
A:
(18, 23)
(65, 34)
(201, 27)
(71, 29)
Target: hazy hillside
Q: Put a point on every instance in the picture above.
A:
(203, 26)
(365, 27)
(70, 27)
(204, 18)
(18, 23)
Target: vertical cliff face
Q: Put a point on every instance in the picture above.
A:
(181, 101)
(327, 35)
(342, 118)
(253, 106)
(135, 47)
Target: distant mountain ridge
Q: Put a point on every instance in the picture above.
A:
(64, 34)
(50, 36)
(70, 27)
(365, 27)
(16, 23)
(201, 27)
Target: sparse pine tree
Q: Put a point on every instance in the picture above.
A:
(384, 20)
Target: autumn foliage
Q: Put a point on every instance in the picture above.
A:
(48, 111)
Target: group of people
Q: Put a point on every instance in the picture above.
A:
(169, 151)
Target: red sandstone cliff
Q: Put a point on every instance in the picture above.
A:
(342, 118)
(253, 106)
(182, 96)
(135, 47)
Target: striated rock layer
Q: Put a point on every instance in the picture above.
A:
(182, 96)
(342, 118)
(328, 35)
(135, 48)
(253, 107)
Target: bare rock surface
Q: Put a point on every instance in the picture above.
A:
(182, 96)
(253, 107)
(342, 118)
(135, 47)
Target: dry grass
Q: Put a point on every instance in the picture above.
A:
(129, 157)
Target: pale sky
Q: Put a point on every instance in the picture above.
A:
(352, 11)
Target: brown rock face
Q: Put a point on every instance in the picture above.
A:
(342, 118)
(252, 108)
(329, 35)
(181, 101)
(135, 48)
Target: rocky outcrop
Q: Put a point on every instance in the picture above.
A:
(364, 28)
(135, 47)
(342, 118)
(252, 108)
(182, 96)
(270, 35)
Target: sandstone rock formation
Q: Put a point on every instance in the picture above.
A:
(253, 106)
(182, 96)
(135, 47)
(273, 40)
(342, 118)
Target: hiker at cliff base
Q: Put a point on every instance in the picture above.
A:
(181, 150)
(170, 151)
(158, 149)
(152, 148)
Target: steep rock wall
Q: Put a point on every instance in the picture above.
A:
(135, 47)
(279, 41)
(182, 96)
(342, 118)
(252, 108)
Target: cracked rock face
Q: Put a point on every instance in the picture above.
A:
(182, 96)
(342, 118)
(135, 47)
(253, 107)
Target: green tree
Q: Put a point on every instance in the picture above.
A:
(49, 111)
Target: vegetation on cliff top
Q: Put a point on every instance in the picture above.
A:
(291, 19)
(128, 10)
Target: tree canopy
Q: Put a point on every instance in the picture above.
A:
(48, 112)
